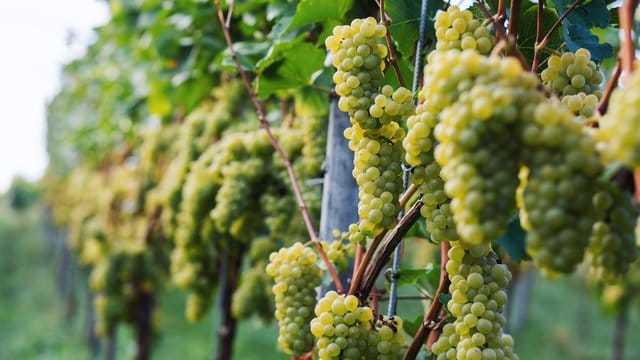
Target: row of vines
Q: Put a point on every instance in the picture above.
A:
(187, 148)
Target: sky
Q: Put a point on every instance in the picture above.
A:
(34, 44)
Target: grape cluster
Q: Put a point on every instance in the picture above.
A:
(612, 245)
(205, 124)
(581, 105)
(478, 290)
(296, 276)
(479, 99)
(419, 144)
(619, 127)
(570, 74)
(457, 29)
(375, 112)
(563, 167)
(253, 296)
(378, 173)
(345, 330)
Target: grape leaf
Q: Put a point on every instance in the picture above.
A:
(577, 36)
(593, 13)
(311, 11)
(527, 32)
(514, 240)
(288, 72)
(405, 23)
(429, 275)
(411, 327)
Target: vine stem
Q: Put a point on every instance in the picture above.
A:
(611, 85)
(358, 271)
(539, 24)
(542, 43)
(514, 21)
(306, 216)
(436, 306)
(393, 57)
(511, 47)
(627, 51)
(501, 16)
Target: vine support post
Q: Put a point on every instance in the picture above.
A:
(339, 188)
(229, 278)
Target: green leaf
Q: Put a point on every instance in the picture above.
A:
(158, 102)
(593, 13)
(419, 229)
(577, 36)
(290, 69)
(406, 69)
(444, 298)
(248, 53)
(312, 11)
(610, 170)
(411, 327)
(514, 240)
(311, 102)
(405, 24)
(412, 276)
(527, 32)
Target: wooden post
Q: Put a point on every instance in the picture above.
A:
(340, 191)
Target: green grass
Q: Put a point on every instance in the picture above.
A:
(565, 323)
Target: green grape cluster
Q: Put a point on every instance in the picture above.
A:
(194, 259)
(583, 106)
(419, 145)
(562, 169)
(619, 127)
(570, 74)
(612, 245)
(378, 173)
(203, 126)
(478, 295)
(296, 276)
(253, 295)
(479, 100)
(346, 330)
(375, 112)
(457, 29)
(117, 280)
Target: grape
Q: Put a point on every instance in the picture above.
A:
(618, 128)
(570, 74)
(562, 168)
(457, 29)
(478, 288)
(478, 102)
(296, 276)
(612, 245)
